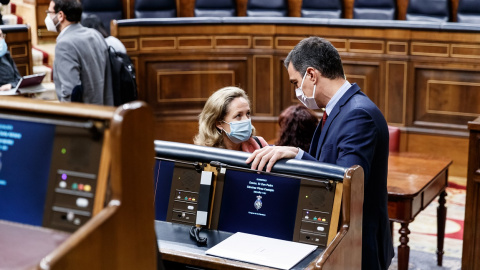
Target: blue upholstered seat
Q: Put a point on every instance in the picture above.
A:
(267, 8)
(428, 10)
(331, 9)
(215, 8)
(106, 10)
(375, 9)
(468, 11)
(155, 8)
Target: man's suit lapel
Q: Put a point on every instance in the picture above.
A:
(333, 114)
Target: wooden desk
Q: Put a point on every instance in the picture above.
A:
(414, 180)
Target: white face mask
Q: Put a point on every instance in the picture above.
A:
(51, 26)
(309, 102)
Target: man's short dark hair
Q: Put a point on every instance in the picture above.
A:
(318, 53)
(71, 8)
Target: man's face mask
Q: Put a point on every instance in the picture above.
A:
(240, 131)
(51, 26)
(309, 102)
(3, 47)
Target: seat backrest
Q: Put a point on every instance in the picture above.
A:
(428, 10)
(331, 9)
(106, 10)
(155, 9)
(375, 9)
(270, 8)
(394, 143)
(215, 8)
(468, 11)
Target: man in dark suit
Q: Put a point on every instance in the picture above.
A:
(353, 131)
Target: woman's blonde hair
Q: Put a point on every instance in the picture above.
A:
(215, 109)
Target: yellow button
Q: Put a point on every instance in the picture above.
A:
(87, 188)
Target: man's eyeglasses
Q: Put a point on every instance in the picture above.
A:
(48, 11)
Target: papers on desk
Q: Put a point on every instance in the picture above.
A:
(10, 92)
(24, 90)
(262, 250)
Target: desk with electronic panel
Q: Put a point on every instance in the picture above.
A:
(66, 196)
(300, 201)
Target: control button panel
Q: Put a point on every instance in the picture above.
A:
(319, 239)
(314, 213)
(73, 177)
(183, 203)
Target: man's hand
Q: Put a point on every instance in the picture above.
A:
(269, 155)
(6, 87)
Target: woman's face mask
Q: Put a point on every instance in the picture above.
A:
(3, 47)
(240, 131)
(309, 102)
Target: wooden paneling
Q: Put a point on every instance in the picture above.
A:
(465, 51)
(471, 239)
(450, 147)
(263, 85)
(396, 92)
(366, 46)
(446, 96)
(177, 87)
(368, 76)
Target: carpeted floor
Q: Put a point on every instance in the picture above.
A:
(423, 236)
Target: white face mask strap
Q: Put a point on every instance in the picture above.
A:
(303, 80)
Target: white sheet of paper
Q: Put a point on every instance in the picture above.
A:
(262, 250)
(10, 92)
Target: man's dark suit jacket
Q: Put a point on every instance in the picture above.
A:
(356, 133)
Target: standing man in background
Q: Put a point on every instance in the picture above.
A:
(353, 131)
(81, 70)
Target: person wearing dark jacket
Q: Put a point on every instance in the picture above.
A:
(353, 131)
(9, 75)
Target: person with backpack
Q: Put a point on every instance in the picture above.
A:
(94, 22)
(81, 69)
(123, 72)
(225, 122)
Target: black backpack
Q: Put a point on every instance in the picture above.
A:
(123, 77)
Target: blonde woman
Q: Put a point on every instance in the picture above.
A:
(225, 122)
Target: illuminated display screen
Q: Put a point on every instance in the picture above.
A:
(259, 204)
(25, 156)
(163, 182)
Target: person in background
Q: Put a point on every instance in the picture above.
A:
(353, 131)
(225, 122)
(81, 69)
(3, 2)
(9, 75)
(297, 125)
(92, 21)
